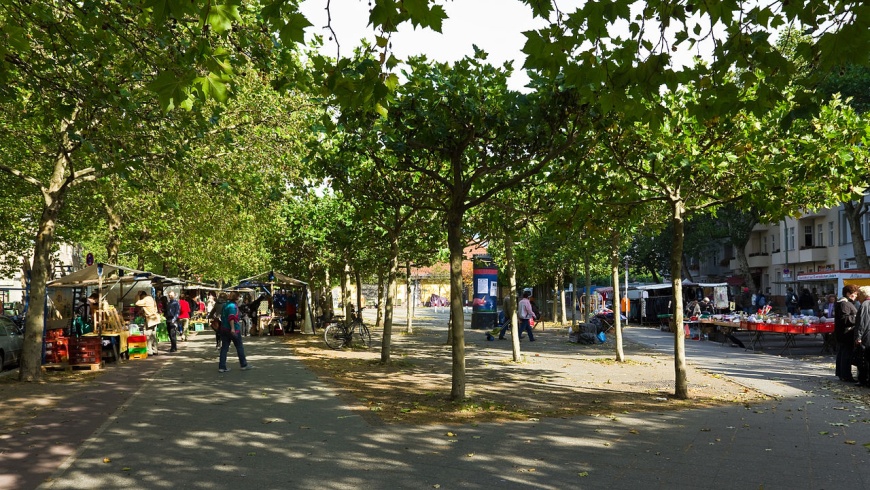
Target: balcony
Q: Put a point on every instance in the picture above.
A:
(815, 254)
(754, 260)
(758, 260)
(777, 258)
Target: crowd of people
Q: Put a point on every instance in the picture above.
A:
(232, 316)
(852, 332)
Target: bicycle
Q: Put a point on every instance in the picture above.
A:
(355, 333)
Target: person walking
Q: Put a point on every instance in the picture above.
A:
(183, 315)
(171, 313)
(844, 332)
(862, 335)
(214, 317)
(807, 303)
(231, 331)
(791, 301)
(152, 319)
(526, 313)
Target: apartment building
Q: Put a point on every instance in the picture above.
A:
(796, 250)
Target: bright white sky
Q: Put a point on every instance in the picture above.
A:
(495, 26)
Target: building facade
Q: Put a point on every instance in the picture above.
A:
(790, 252)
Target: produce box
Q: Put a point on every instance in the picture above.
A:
(137, 338)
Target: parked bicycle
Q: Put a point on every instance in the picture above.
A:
(352, 334)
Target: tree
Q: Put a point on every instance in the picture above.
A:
(464, 137)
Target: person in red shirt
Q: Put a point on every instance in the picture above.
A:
(183, 318)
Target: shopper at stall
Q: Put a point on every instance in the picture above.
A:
(172, 312)
(807, 303)
(862, 336)
(152, 319)
(791, 301)
(210, 302)
(844, 332)
(231, 331)
(525, 314)
(183, 316)
(830, 306)
(706, 306)
(214, 317)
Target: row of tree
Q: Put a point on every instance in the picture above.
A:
(612, 140)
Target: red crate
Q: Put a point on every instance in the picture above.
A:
(137, 338)
(764, 327)
(780, 327)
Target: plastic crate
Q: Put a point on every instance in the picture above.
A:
(136, 338)
(781, 327)
(137, 350)
(139, 356)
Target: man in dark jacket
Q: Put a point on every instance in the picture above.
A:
(862, 335)
(844, 332)
(807, 303)
(173, 309)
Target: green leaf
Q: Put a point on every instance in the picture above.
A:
(222, 16)
(294, 30)
(170, 88)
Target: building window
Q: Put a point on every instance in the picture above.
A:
(845, 231)
(820, 235)
(790, 238)
(764, 244)
(773, 242)
(808, 236)
(830, 233)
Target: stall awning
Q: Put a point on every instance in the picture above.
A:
(90, 276)
(273, 277)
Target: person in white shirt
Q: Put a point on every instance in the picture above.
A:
(525, 313)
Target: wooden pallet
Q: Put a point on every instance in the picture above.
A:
(65, 366)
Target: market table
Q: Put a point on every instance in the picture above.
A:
(790, 331)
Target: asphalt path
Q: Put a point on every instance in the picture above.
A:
(278, 426)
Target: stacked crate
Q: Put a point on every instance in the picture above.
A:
(85, 350)
(56, 347)
(137, 346)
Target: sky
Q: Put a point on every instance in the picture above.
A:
(495, 26)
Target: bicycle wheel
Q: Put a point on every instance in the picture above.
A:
(361, 335)
(333, 335)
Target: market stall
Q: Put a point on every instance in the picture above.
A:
(86, 317)
(288, 301)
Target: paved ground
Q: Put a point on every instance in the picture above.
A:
(277, 426)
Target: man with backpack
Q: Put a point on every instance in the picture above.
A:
(791, 301)
(214, 317)
(760, 300)
(231, 331)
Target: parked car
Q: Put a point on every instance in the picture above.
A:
(11, 342)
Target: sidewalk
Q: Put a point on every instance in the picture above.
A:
(277, 426)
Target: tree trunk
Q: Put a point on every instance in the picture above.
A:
(409, 326)
(587, 308)
(113, 244)
(574, 299)
(390, 293)
(381, 298)
(511, 270)
(358, 280)
(617, 303)
(563, 316)
(345, 290)
(455, 244)
(743, 266)
(686, 271)
(328, 310)
(30, 368)
(681, 384)
(853, 215)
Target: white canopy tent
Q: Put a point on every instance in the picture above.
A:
(270, 279)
